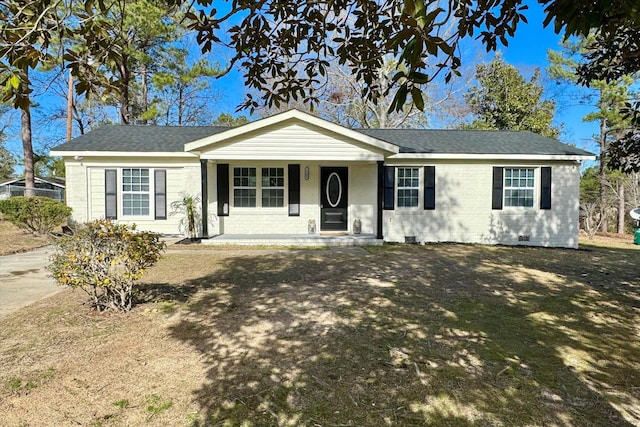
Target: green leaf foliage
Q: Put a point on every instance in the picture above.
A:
(610, 100)
(283, 48)
(226, 119)
(105, 259)
(505, 100)
(188, 208)
(7, 163)
(39, 215)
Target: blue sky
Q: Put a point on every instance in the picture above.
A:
(527, 50)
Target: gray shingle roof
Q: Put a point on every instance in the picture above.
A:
(139, 138)
(454, 141)
(125, 138)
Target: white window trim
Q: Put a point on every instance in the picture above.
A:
(420, 188)
(151, 193)
(283, 187)
(535, 188)
(258, 188)
(241, 187)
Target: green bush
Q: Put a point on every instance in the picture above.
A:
(38, 215)
(105, 259)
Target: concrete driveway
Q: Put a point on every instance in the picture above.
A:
(24, 280)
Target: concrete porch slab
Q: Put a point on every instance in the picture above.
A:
(293, 240)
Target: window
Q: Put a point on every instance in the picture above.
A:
(518, 187)
(244, 187)
(272, 187)
(135, 192)
(408, 185)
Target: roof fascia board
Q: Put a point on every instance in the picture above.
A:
(293, 157)
(447, 156)
(35, 179)
(134, 154)
(47, 181)
(287, 115)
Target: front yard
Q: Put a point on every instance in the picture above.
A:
(13, 240)
(442, 335)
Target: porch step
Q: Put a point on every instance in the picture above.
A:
(293, 240)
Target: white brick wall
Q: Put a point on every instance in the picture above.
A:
(76, 190)
(463, 210)
(463, 202)
(362, 199)
(86, 190)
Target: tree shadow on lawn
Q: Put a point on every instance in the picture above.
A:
(436, 335)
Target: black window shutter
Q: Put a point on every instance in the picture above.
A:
(389, 187)
(111, 194)
(430, 187)
(545, 188)
(223, 189)
(496, 199)
(294, 190)
(160, 190)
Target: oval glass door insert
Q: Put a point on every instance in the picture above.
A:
(334, 189)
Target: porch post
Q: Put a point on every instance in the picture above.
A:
(204, 184)
(380, 199)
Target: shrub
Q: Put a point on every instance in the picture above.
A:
(39, 215)
(187, 206)
(105, 259)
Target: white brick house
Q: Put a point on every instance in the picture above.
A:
(274, 175)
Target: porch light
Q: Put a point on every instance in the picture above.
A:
(306, 173)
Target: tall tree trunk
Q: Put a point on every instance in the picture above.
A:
(27, 148)
(621, 206)
(125, 101)
(70, 107)
(180, 104)
(602, 175)
(125, 115)
(145, 92)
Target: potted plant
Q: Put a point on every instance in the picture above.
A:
(188, 206)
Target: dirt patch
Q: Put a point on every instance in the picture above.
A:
(609, 240)
(400, 335)
(13, 240)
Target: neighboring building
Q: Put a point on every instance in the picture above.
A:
(44, 186)
(275, 175)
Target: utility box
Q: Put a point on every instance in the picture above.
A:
(635, 214)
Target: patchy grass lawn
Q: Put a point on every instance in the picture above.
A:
(609, 240)
(442, 335)
(14, 240)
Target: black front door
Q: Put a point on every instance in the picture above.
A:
(333, 198)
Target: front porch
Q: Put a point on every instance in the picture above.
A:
(304, 240)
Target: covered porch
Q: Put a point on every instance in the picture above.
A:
(278, 175)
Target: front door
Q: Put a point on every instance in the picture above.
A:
(333, 198)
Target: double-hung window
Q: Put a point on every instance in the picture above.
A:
(408, 187)
(135, 192)
(272, 187)
(247, 187)
(519, 186)
(244, 187)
